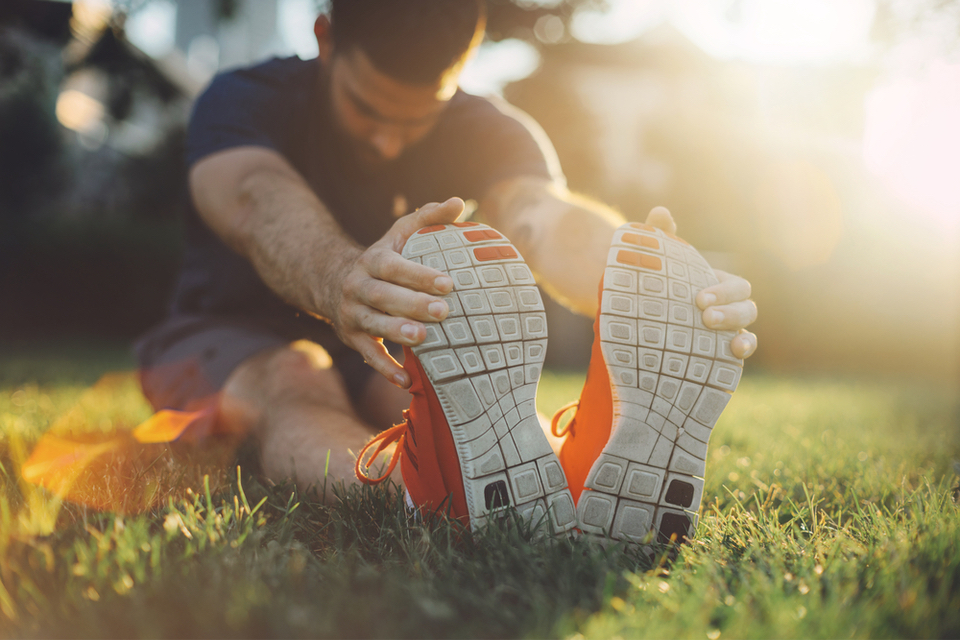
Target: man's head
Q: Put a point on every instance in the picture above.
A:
(392, 66)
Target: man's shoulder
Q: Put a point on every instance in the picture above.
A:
(474, 110)
(491, 119)
(504, 141)
(464, 103)
(277, 73)
(262, 105)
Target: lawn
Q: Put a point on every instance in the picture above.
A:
(830, 511)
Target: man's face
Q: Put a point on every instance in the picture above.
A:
(379, 115)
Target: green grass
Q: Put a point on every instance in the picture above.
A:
(829, 512)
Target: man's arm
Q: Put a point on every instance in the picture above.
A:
(565, 239)
(263, 209)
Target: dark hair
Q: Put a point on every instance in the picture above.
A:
(414, 41)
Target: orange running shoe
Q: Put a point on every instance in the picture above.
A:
(635, 451)
(471, 440)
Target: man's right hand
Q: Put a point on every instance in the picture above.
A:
(384, 295)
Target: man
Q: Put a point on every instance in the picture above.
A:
(300, 175)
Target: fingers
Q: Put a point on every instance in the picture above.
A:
(393, 300)
(377, 356)
(384, 262)
(660, 218)
(727, 305)
(744, 345)
(388, 266)
(367, 320)
(730, 317)
(387, 296)
(730, 289)
(380, 309)
(425, 216)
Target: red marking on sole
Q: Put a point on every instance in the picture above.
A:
(482, 234)
(466, 224)
(641, 260)
(642, 227)
(641, 241)
(503, 252)
(432, 228)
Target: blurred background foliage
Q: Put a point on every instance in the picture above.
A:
(763, 161)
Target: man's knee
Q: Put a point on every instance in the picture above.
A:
(301, 372)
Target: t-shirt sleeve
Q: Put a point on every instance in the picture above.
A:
(495, 141)
(239, 108)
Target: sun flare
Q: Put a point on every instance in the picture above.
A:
(912, 141)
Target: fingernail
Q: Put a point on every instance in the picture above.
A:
(712, 317)
(443, 283)
(409, 331)
(708, 300)
(438, 309)
(400, 380)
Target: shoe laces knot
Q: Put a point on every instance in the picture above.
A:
(555, 423)
(382, 440)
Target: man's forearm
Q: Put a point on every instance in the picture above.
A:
(260, 206)
(293, 241)
(563, 237)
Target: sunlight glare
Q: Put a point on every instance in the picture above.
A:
(804, 221)
(498, 63)
(912, 140)
(90, 17)
(294, 21)
(152, 28)
(779, 31)
(624, 20)
(78, 111)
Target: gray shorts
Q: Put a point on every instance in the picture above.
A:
(186, 359)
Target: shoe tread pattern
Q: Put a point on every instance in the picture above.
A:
(671, 378)
(484, 361)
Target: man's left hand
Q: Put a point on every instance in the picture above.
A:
(727, 305)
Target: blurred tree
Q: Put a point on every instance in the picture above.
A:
(30, 144)
(48, 21)
(159, 176)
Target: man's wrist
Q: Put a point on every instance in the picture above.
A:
(336, 266)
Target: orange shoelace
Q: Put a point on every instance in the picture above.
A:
(382, 440)
(555, 423)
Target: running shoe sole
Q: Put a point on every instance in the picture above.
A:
(484, 362)
(671, 377)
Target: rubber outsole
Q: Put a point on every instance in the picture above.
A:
(671, 378)
(484, 362)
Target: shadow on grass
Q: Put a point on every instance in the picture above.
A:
(67, 361)
(293, 566)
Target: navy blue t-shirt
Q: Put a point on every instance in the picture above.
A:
(282, 105)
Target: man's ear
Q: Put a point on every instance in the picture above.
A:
(321, 29)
